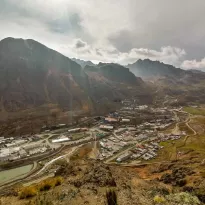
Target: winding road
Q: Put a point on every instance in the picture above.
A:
(57, 158)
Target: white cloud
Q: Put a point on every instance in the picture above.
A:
(194, 64)
(169, 55)
(108, 53)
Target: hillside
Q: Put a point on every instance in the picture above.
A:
(32, 75)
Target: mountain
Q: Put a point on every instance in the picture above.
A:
(116, 73)
(185, 85)
(148, 68)
(32, 75)
(83, 63)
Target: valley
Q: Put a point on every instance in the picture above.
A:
(148, 140)
(77, 132)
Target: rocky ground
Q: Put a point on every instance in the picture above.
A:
(87, 181)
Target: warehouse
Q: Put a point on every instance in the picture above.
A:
(106, 127)
(61, 140)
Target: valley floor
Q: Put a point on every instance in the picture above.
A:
(175, 174)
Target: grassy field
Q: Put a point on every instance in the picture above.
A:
(191, 146)
(195, 111)
(77, 136)
(183, 127)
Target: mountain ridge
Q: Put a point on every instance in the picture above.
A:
(32, 74)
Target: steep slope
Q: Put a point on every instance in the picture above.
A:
(32, 74)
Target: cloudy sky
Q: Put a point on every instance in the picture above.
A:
(119, 31)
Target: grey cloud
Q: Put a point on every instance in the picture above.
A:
(80, 44)
(67, 23)
(98, 52)
(162, 23)
(129, 29)
(123, 40)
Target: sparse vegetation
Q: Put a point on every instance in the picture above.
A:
(50, 183)
(159, 199)
(183, 198)
(27, 192)
(185, 128)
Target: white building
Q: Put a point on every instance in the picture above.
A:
(61, 140)
(125, 120)
(106, 127)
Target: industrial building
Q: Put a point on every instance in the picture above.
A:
(61, 140)
(106, 127)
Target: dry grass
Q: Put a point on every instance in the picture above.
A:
(31, 191)
(28, 192)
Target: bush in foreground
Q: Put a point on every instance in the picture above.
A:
(182, 198)
(159, 199)
(50, 183)
(27, 192)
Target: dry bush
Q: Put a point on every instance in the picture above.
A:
(27, 192)
(50, 183)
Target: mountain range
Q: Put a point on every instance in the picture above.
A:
(147, 69)
(32, 74)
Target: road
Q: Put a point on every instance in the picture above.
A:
(55, 159)
(187, 124)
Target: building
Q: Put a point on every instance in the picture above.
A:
(61, 140)
(111, 120)
(4, 154)
(106, 127)
(124, 157)
(22, 153)
(125, 120)
(10, 145)
(19, 142)
(74, 130)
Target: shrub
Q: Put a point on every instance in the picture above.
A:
(59, 181)
(45, 186)
(183, 198)
(159, 199)
(49, 183)
(27, 192)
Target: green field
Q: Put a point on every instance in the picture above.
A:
(77, 136)
(195, 111)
